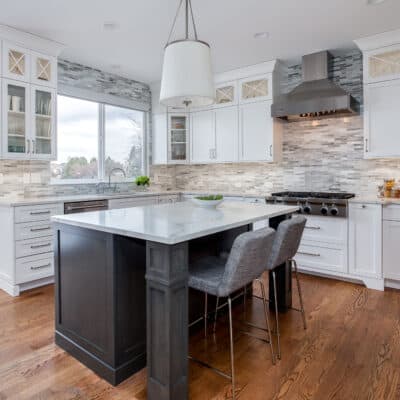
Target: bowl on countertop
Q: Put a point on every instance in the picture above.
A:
(208, 201)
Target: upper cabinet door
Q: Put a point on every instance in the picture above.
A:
(43, 103)
(382, 64)
(227, 134)
(203, 136)
(226, 94)
(381, 112)
(16, 62)
(178, 138)
(256, 132)
(16, 124)
(160, 139)
(256, 88)
(43, 70)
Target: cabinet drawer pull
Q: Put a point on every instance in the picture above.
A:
(313, 227)
(39, 246)
(41, 267)
(40, 212)
(305, 253)
(40, 229)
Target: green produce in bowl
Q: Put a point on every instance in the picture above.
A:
(210, 197)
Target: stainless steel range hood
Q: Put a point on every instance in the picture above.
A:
(317, 96)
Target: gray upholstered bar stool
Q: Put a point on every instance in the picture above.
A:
(222, 277)
(286, 244)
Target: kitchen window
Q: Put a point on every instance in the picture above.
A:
(93, 138)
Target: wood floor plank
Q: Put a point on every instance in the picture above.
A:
(351, 350)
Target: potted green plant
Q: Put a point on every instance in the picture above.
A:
(142, 181)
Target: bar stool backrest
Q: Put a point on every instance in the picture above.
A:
(287, 241)
(247, 260)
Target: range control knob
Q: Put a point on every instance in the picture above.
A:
(324, 210)
(307, 208)
(300, 210)
(334, 210)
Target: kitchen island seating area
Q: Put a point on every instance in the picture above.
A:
(122, 296)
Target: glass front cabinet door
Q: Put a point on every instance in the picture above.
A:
(178, 138)
(16, 62)
(16, 140)
(255, 89)
(43, 101)
(226, 94)
(44, 70)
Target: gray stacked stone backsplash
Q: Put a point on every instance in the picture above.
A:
(317, 155)
(32, 178)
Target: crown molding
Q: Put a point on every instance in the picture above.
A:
(383, 39)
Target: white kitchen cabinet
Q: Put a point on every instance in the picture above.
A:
(203, 148)
(160, 139)
(16, 62)
(43, 70)
(255, 88)
(226, 94)
(128, 202)
(227, 134)
(16, 122)
(260, 136)
(365, 240)
(178, 138)
(382, 105)
(391, 235)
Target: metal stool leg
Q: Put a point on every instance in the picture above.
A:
(266, 312)
(205, 313)
(216, 315)
(276, 315)
(303, 314)
(231, 347)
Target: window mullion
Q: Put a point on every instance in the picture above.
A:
(101, 141)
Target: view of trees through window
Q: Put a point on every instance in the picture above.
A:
(80, 155)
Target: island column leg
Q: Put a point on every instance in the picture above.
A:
(167, 321)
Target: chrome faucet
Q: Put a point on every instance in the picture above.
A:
(109, 177)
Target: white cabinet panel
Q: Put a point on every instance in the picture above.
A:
(256, 132)
(391, 212)
(382, 106)
(34, 267)
(365, 239)
(160, 139)
(43, 70)
(227, 134)
(203, 136)
(391, 259)
(40, 212)
(325, 229)
(131, 202)
(226, 94)
(16, 62)
(24, 248)
(255, 88)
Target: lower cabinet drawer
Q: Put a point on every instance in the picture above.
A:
(31, 230)
(30, 247)
(322, 258)
(39, 212)
(34, 267)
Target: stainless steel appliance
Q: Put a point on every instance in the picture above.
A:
(317, 96)
(84, 206)
(314, 203)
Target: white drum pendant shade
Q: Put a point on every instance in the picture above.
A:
(187, 77)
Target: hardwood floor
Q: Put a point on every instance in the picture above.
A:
(351, 350)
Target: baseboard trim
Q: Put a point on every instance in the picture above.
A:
(112, 375)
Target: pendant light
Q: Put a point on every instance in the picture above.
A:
(187, 78)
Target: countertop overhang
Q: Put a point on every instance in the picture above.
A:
(173, 223)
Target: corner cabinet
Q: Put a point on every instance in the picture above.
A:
(29, 95)
(365, 240)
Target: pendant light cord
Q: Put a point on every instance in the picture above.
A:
(187, 11)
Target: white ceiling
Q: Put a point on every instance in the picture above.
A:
(295, 28)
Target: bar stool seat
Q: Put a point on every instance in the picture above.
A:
(222, 277)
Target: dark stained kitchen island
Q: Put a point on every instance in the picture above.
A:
(122, 297)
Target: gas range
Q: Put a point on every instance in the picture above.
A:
(314, 203)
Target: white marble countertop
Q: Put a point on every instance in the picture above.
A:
(374, 200)
(24, 201)
(173, 223)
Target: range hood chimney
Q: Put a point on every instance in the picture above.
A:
(317, 96)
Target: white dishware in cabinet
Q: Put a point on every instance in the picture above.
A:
(382, 105)
(16, 62)
(365, 239)
(16, 122)
(43, 132)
